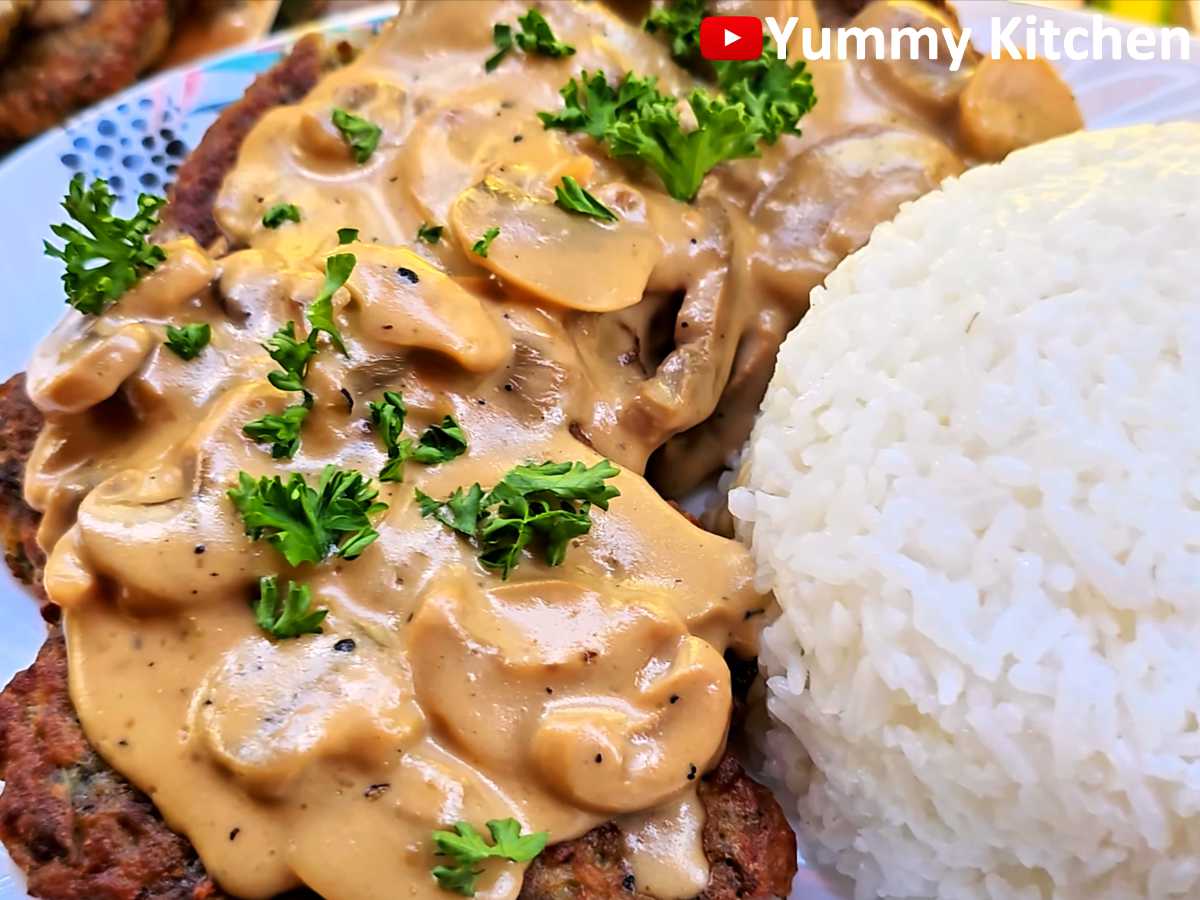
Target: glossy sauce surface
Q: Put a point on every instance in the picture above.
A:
(564, 696)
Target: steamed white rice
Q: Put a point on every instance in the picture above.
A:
(975, 491)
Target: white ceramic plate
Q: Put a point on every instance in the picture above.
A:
(136, 139)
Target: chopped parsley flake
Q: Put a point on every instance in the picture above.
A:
(459, 511)
(320, 312)
(281, 431)
(280, 213)
(360, 135)
(294, 617)
(347, 235)
(430, 234)
(535, 37)
(481, 246)
(502, 37)
(387, 415)
(438, 443)
(187, 341)
(572, 197)
(293, 357)
(465, 848)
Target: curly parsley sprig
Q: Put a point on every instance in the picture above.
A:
(309, 524)
(465, 848)
(776, 94)
(758, 100)
(107, 255)
(679, 21)
(547, 503)
(636, 120)
(282, 431)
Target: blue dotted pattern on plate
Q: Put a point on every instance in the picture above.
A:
(128, 150)
(138, 143)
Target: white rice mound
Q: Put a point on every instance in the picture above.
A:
(975, 491)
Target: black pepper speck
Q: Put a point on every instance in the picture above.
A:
(345, 645)
(408, 275)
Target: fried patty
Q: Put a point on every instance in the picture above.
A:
(50, 74)
(18, 523)
(750, 848)
(80, 830)
(77, 828)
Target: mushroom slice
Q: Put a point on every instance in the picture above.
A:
(406, 302)
(570, 260)
(829, 198)
(280, 706)
(451, 147)
(1012, 103)
(927, 82)
(822, 208)
(162, 293)
(84, 362)
(573, 685)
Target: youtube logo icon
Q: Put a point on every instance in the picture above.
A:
(731, 37)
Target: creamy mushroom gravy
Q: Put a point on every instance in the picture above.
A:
(565, 696)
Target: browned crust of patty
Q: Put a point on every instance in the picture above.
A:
(76, 827)
(749, 845)
(18, 523)
(190, 206)
(48, 75)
